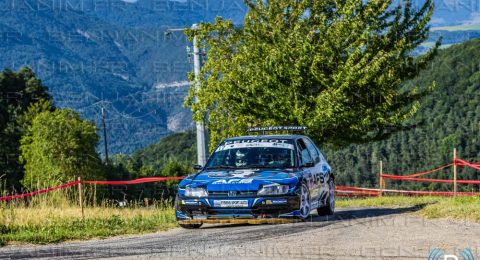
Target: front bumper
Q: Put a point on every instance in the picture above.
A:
(258, 207)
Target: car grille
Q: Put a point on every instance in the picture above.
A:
(237, 194)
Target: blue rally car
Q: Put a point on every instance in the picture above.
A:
(255, 177)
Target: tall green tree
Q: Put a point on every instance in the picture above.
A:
(18, 91)
(58, 147)
(452, 116)
(336, 67)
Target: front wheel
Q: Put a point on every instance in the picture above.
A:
(329, 209)
(305, 205)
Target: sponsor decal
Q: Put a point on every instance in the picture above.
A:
(278, 128)
(190, 202)
(242, 174)
(245, 143)
(230, 203)
(276, 201)
(234, 181)
(218, 174)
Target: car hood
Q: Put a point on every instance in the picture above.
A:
(241, 180)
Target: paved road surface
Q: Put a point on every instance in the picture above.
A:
(353, 233)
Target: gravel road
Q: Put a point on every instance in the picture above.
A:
(352, 233)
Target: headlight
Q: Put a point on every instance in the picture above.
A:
(195, 192)
(273, 189)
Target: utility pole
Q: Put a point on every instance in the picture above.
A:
(202, 145)
(201, 138)
(105, 135)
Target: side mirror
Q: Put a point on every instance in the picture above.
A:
(308, 164)
(197, 167)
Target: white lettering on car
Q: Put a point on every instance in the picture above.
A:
(255, 143)
(234, 181)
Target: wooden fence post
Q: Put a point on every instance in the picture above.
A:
(381, 181)
(454, 172)
(95, 195)
(80, 196)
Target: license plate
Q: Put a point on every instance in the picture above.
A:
(231, 203)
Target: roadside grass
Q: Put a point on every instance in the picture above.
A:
(49, 225)
(459, 208)
(56, 217)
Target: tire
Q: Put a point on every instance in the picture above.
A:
(305, 205)
(186, 226)
(329, 209)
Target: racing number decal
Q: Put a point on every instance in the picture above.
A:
(323, 177)
(318, 179)
(314, 183)
(309, 178)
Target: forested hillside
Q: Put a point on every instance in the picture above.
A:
(450, 118)
(173, 155)
(111, 54)
(180, 147)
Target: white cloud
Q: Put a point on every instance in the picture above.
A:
(474, 19)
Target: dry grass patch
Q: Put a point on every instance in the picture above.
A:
(53, 224)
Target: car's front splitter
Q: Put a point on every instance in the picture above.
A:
(253, 208)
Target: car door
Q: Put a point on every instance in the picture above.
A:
(321, 170)
(311, 170)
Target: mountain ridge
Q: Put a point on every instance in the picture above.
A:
(92, 57)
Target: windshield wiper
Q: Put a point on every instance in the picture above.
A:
(258, 166)
(220, 167)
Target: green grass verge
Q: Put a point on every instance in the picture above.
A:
(460, 208)
(47, 225)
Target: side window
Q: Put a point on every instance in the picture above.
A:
(303, 152)
(313, 150)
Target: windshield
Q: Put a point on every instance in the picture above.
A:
(253, 154)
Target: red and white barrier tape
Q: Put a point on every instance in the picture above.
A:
(73, 183)
(397, 177)
(469, 164)
(63, 186)
(137, 181)
(426, 172)
(378, 191)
